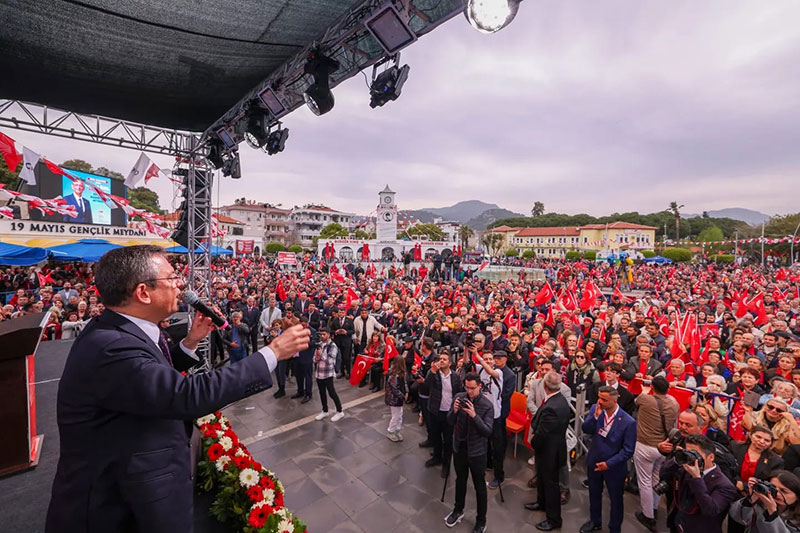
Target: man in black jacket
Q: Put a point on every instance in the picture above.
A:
(471, 417)
(549, 431)
(304, 365)
(443, 385)
(499, 436)
(612, 374)
(342, 328)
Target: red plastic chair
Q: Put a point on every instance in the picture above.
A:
(518, 418)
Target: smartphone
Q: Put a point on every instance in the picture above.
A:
(751, 398)
(646, 383)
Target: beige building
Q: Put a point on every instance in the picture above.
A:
(507, 233)
(555, 242)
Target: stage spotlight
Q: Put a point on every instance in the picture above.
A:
(215, 150)
(232, 166)
(276, 141)
(318, 96)
(387, 85)
(257, 126)
(489, 16)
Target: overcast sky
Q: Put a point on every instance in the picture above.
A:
(589, 107)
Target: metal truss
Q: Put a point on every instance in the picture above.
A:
(350, 43)
(93, 128)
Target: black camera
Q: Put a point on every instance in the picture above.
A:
(688, 457)
(469, 339)
(765, 488)
(674, 437)
(661, 488)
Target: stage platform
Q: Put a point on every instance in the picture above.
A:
(342, 476)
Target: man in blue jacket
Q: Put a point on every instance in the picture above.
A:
(613, 442)
(125, 411)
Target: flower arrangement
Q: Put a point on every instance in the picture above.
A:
(248, 496)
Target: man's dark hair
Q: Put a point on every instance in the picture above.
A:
(611, 391)
(614, 367)
(119, 271)
(472, 376)
(427, 342)
(702, 442)
(660, 384)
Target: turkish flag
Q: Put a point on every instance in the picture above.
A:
(55, 169)
(544, 295)
(591, 293)
(777, 295)
(707, 330)
(280, 290)
(683, 396)
(388, 354)
(151, 173)
(44, 280)
(549, 318)
(360, 368)
(741, 308)
(417, 360)
(351, 295)
(621, 297)
(9, 151)
(756, 306)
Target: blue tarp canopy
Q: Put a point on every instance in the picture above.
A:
(16, 255)
(658, 260)
(215, 250)
(84, 250)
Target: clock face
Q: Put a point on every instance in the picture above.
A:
(387, 199)
(388, 216)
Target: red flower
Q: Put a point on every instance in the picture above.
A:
(255, 493)
(210, 433)
(215, 451)
(257, 466)
(278, 499)
(258, 516)
(267, 482)
(242, 462)
(230, 433)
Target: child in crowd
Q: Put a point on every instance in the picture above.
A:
(396, 394)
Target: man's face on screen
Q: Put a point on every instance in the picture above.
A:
(77, 187)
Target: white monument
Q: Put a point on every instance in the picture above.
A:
(386, 216)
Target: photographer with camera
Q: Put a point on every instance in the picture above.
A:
(702, 493)
(771, 506)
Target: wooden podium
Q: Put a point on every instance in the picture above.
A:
(20, 446)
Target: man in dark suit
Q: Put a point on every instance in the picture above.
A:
(613, 442)
(443, 385)
(301, 304)
(250, 316)
(549, 441)
(125, 411)
(612, 373)
(642, 366)
(304, 366)
(704, 494)
(237, 338)
(80, 203)
(341, 326)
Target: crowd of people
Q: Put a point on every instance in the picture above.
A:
(686, 388)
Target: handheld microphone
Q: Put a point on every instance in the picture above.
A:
(190, 298)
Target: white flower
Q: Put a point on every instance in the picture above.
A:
(279, 485)
(205, 419)
(239, 453)
(223, 425)
(248, 477)
(226, 443)
(220, 434)
(269, 496)
(286, 525)
(222, 462)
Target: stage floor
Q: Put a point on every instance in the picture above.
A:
(342, 476)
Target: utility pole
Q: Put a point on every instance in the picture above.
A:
(763, 259)
(736, 247)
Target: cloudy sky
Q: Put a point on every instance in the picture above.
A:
(589, 107)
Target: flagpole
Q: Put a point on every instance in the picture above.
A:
(763, 259)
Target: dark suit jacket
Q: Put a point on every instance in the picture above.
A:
(306, 357)
(767, 463)
(244, 336)
(549, 430)
(434, 382)
(625, 400)
(125, 418)
(84, 210)
(301, 307)
(616, 447)
(632, 368)
(345, 324)
(251, 317)
(703, 502)
(476, 430)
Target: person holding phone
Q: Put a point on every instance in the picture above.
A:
(471, 418)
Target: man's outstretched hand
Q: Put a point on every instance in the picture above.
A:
(291, 341)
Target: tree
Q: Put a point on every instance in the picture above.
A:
(674, 208)
(361, 234)
(528, 254)
(334, 230)
(493, 243)
(429, 231)
(537, 210)
(706, 215)
(710, 234)
(144, 198)
(103, 171)
(677, 254)
(464, 233)
(8, 177)
(296, 249)
(512, 252)
(275, 247)
(77, 164)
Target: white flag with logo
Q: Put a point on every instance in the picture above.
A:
(29, 161)
(138, 171)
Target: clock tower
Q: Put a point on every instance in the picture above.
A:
(386, 222)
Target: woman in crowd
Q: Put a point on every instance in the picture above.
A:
(776, 417)
(786, 391)
(754, 456)
(581, 371)
(375, 349)
(72, 326)
(765, 513)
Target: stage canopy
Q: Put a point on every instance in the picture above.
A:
(15, 255)
(180, 64)
(86, 250)
(215, 250)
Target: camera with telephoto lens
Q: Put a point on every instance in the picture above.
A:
(765, 487)
(661, 488)
(675, 437)
(689, 457)
(469, 339)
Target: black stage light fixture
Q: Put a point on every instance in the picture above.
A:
(276, 141)
(390, 29)
(387, 85)
(257, 126)
(233, 167)
(215, 150)
(489, 16)
(318, 96)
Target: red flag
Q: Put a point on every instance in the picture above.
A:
(683, 396)
(550, 319)
(417, 360)
(777, 295)
(9, 151)
(280, 290)
(44, 280)
(707, 330)
(677, 349)
(780, 276)
(544, 295)
(741, 308)
(151, 173)
(351, 295)
(484, 264)
(55, 169)
(756, 306)
(621, 297)
(591, 293)
(335, 276)
(388, 354)
(360, 368)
